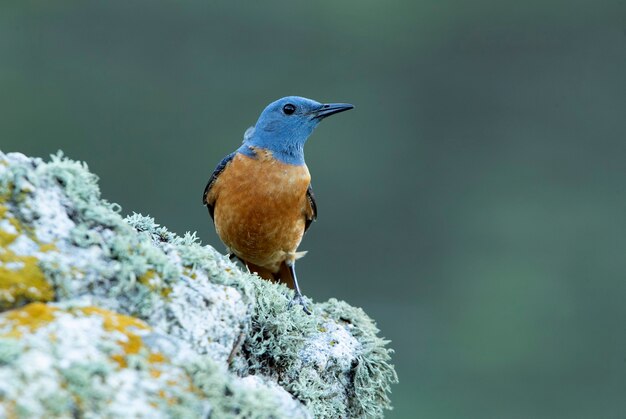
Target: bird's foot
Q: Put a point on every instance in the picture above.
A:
(299, 299)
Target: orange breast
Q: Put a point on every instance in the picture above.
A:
(261, 207)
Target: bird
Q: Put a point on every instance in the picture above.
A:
(260, 196)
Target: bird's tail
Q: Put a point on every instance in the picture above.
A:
(283, 275)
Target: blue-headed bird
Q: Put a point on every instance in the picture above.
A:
(260, 196)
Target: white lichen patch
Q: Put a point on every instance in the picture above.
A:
(52, 220)
(24, 246)
(13, 266)
(7, 227)
(193, 302)
(333, 344)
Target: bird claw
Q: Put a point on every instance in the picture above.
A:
(299, 299)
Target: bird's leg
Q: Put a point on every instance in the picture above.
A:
(298, 298)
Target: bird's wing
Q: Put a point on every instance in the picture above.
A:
(218, 170)
(311, 210)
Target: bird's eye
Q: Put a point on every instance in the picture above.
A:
(289, 109)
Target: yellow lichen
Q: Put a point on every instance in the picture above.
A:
(15, 323)
(10, 409)
(112, 320)
(146, 279)
(47, 247)
(169, 399)
(27, 319)
(21, 279)
(6, 194)
(131, 343)
(156, 358)
(151, 280)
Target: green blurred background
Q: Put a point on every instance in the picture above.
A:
(473, 203)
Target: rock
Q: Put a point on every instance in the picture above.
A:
(119, 317)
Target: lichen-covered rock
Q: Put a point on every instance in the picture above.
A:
(61, 357)
(104, 316)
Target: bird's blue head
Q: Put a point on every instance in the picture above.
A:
(285, 125)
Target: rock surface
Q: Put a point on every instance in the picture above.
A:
(105, 316)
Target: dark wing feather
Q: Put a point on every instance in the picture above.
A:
(219, 169)
(311, 197)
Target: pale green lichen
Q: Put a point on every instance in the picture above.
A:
(373, 371)
(274, 347)
(235, 398)
(10, 350)
(175, 314)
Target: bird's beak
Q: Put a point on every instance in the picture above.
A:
(329, 109)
